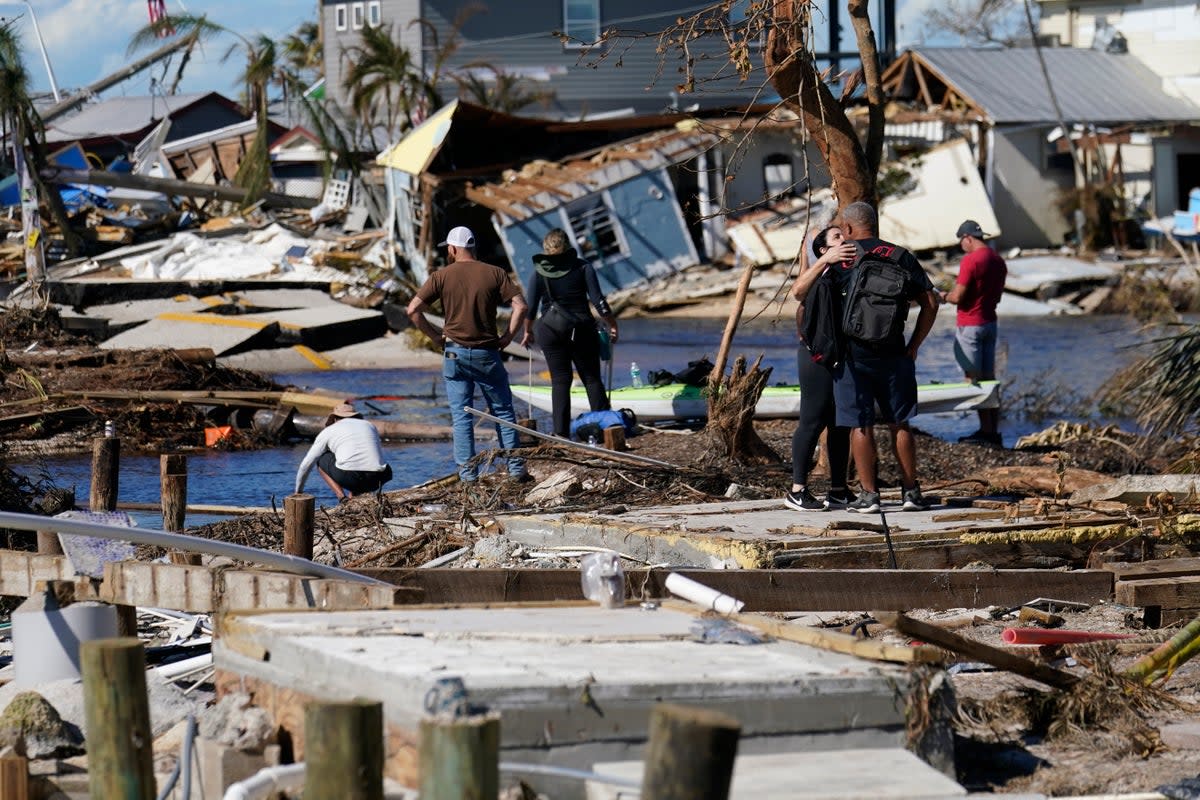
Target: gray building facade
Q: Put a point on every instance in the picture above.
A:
(518, 37)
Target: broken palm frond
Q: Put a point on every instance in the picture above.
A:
(1164, 387)
(27, 380)
(1164, 660)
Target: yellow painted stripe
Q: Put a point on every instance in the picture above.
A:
(319, 361)
(213, 319)
(213, 300)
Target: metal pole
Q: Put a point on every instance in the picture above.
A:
(42, 46)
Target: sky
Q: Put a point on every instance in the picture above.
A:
(88, 39)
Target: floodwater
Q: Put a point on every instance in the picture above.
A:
(1053, 368)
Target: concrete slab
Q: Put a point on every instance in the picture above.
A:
(225, 335)
(749, 534)
(132, 312)
(854, 774)
(574, 685)
(323, 327)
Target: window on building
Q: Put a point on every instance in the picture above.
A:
(778, 178)
(339, 17)
(596, 231)
(374, 13)
(356, 16)
(581, 22)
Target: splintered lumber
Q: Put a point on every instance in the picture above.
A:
(977, 651)
(1043, 480)
(771, 590)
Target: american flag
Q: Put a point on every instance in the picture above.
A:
(158, 14)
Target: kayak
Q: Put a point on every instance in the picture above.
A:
(680, 401)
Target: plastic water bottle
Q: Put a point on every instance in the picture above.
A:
(635, 374)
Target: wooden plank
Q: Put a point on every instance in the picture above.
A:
(767, 589)
(20, 571)
(977, 651)
(14, 776)
(1183, 592)
(823, 638)
(1157, 568)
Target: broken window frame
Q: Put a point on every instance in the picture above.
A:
(609, 242)
(571, 24)
(341, 17)
(780, 187)
(374, 13)
(358, 16)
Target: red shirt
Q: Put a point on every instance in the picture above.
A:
(981, 275)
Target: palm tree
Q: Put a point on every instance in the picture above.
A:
(261, 70)
(23, 124)
(302, 50)
(382, 78)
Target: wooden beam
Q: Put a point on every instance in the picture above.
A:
(1157, 568)
(976, 651)
(768, 590)
(1179, 592)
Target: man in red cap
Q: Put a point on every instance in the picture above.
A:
(977, 291)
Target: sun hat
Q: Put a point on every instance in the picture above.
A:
(459, 237)
(344, 410)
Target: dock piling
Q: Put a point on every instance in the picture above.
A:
(106, 468)
(299, 511)
(690, 754)
(343, 755)
(173, 477)
(460, 757)
(117, 710)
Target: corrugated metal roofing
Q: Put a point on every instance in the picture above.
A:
(1091, 86)
(118, 116)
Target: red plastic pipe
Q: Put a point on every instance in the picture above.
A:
(1043, 636)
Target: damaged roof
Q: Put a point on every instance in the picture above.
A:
(125, 116)
(542, 185)
(1008, 87)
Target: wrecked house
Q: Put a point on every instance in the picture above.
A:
(1132, 136)
(619, 203)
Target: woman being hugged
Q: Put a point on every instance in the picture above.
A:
(560, 322)
(829, 248)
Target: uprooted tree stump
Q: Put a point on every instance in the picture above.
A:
(731, 402)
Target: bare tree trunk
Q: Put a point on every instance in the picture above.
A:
(874, 83)
(731, 413)
(793, 73)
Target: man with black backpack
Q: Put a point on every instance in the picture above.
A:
(878, 367)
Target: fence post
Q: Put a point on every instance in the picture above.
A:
(690, 754)
(299, 512)
(106, 470)
(119, 742)
(460, 757)
(343, 751)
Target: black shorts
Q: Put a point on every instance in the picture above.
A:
(353, 480)
(862, 384)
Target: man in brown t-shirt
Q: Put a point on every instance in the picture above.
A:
(470, 292)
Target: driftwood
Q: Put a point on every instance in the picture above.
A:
(731, 412)
(1042, 480)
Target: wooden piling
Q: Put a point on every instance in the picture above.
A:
(106, 468)
(343, 753)
(524, 439)
(614, 438)
(14, 775)
(690, 754)
(460, 757)
(48, 543)
(298, 517)
(173, 478)
(117, 710)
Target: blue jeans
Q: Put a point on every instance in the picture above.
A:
(462, 369)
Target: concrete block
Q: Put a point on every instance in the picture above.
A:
(1182, 736)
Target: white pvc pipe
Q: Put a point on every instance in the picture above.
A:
(702, 595)
(266, 782)
(185, 666)
(179, 541)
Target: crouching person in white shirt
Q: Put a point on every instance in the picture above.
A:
(347, 454)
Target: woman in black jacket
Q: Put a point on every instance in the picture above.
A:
(561, 323)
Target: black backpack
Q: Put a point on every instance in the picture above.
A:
(876, 303)
(820, 327)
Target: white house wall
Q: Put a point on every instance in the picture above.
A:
(1024, 194)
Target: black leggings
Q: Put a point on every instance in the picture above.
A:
(581, 347)
(816, 415)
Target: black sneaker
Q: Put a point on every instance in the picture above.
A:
(865, 503)
(914, 501)
(839, 498)
(803, 500)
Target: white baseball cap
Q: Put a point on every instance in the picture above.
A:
(459, 237)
